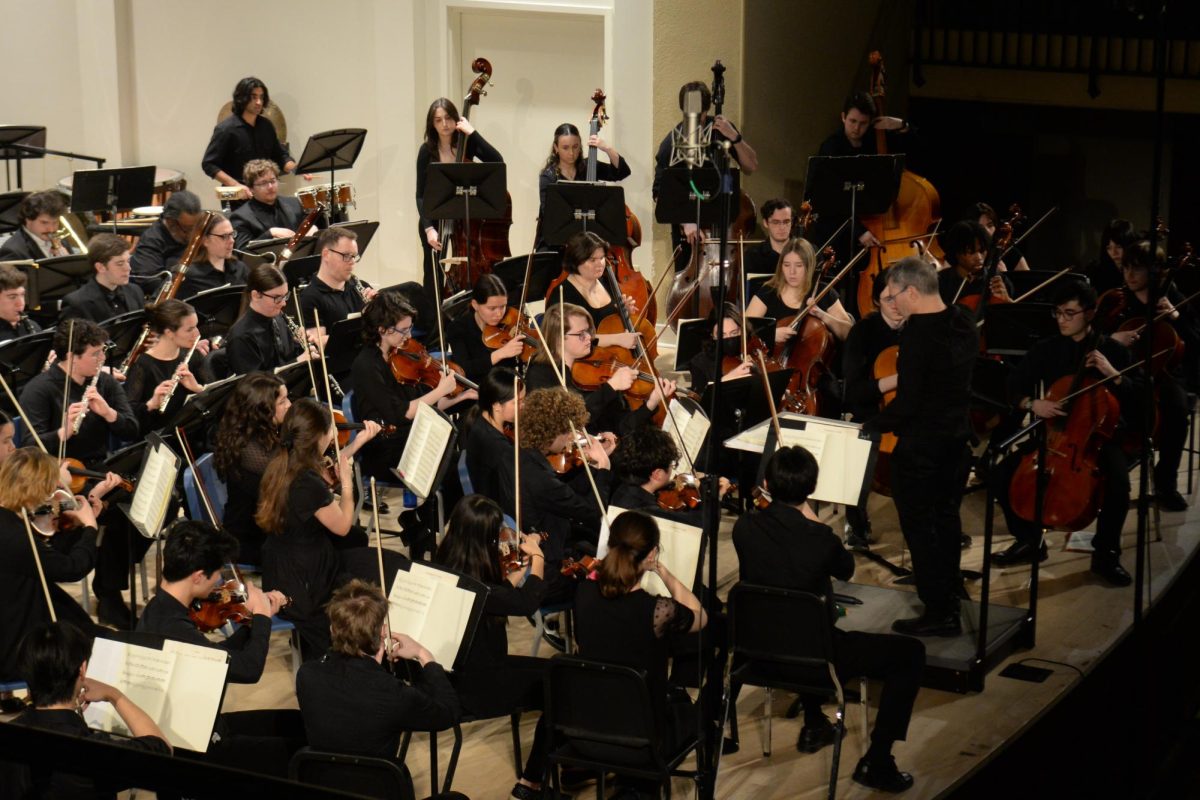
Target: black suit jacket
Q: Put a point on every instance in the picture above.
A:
(253, 219)
(20, 246)
(89, 302)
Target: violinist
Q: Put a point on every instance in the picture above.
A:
(985, 215)
(34, 240)
(216, 265)
(492, 682)
(567, 161)
(779, 222)
(489, 450)
(1105, 272)
(28, 478)
(260, 339)
(701, 365)
(162, 244)
(938, 347)
(152, 377)
(489, 304)
(864, 392)
(584, 258)
(1078, 346)
(786, 546)
(13, 322)
(246, 441)
(790, 290)
(443, 129)
(1138, 268)
(267, 215)
(967, 246)
(645, 462)
(108, 293)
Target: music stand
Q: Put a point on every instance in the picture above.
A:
(299, 271)
(52, 279)
(745, 395)
(693, 333)
(464, 191)
(296, 377)
(332, 150)
(1012, 329)
(547, 264)
(111, 190)
(574, 206)
(203, 407)
(123, 331)
(853, 186)
(345, 340)
(267, 249)
(22, 358)
(677, 202)
(10, 205)
(217, 309)
(20, 142)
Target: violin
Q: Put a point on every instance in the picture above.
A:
(412, 364)
(226, 604)
(754, 347)
(1001, 243)
(512, 558)
(512, 325)
(585, 566)
(762, 497)
(79, 476)
(573, 457)
(345, 428)
(682, 492)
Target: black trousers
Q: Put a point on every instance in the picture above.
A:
(1172, 431)
(928, 477)
(120, 546)
(517, 684)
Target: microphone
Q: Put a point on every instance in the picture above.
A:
(691, 126)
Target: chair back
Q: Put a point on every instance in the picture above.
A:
(362, 775)
(602, 710)
(217, 492)
(785, 626)
(19, 431)
(464, 476)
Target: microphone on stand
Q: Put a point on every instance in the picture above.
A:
(691, 127)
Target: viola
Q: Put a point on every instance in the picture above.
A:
(585, 566)
(512, 325)
(412, 364)
(682, 492)
(226, 604)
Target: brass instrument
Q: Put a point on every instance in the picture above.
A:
(310, 348)
(166, 401)
(79, 419)
(67, 232)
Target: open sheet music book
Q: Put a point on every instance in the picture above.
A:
(428, 605)
(180, 687)
(689, 430)
(152, 497)
(425, 451)
(679, 550)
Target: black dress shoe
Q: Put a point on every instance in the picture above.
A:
(930, 625)
(856, 541)
(882, 775)
(814, 738)
(1171, 501)
(964, 542)
(1109, 569)
(111, 610)
(1018, 553)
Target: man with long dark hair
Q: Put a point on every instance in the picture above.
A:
(244, 136)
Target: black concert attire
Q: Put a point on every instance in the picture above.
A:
(869, 337)
(607, 408)
(144, 377)
(465, 339)
(929, 415)
(253, 220)
(632, 497)
(604, 172)
(781, 547)
(1049, 360)
(156, 250)
(761, 259)
(332, 306)
(379, 396)
(778, 309)
(24, 327)
(62, 784)
(476, 148)
(260, 344)
(490, 462)
(24, 600)
(247, 648)
(92, 301)
(202, 276)
(953, 289)
(352, 704)
(730, 418)
(22, 246)
(241, 503)
(827, 385)
(566, 511)
(1104, 274)
(836, 144)
(235, 142)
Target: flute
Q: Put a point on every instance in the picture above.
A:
(79, 419)
(166, 401)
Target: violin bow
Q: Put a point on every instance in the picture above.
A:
(653, 293)
(337, 447)
(795, 325)
(670, 416)
(387, 618)
(1043, 284)
(21, 413)
(762, 365)
(312, 376)
(587, 468)
(205, 500)
(549, 353)
(1028, 231)
(517, 456)
(37, 560)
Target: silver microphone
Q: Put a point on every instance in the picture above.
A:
(691, 124)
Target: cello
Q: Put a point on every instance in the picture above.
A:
(914, 214)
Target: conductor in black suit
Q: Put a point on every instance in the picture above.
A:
(108, 293)
(266, 215)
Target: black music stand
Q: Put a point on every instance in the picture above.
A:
(22, 358)
(574, 206)
(123, 331)
(300, 271)
(204, 407)
(466, 191)
(547, 265)
(217, 309)
(10, 206)
(266, 249)
(677, 202)
(693, 333)
(332, 150)
(20, 142)
(52, 279)
(746, 395)
(111, 190)
(853, 186)
(296, 377)
(345, 340)
(1011, 329)
(364, 228)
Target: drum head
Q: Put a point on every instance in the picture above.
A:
(148, 211)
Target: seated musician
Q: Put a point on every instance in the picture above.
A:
(261, 339)
(489, 304)
(28, 477)
(1138, 268)
(863, 393)
(215, 265)
(985, 215)
(247, 439)
(349, 700)
(1105, 272)
(99, 398)
(13, 322)
(54, 660)
(108, 293)
(967, 246)
(779, 222)
(1077, 348)
(684, 237)
(152, 376)
(790, 290)
(161, 245)
(302, 518)
(584, 258)
(568, 162)
(244, 136)
(267, 215)
(644, 462)
(492, 682)
(8, 432)
(702, 367)
(787, 547)
(34, 240)
(617, 622)
(489, 450)
(335, 292)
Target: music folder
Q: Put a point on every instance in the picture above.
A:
(439, 608)
(679, 550)
(155, 485)
(427, 451)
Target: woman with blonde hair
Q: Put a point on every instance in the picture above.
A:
(790, 290)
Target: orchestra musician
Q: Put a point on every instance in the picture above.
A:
(779, 222)
(216, 265)
(244, 136)
(967, 245)
(686, 236)
(567, 161)
(489, 304)
(267, 215)
(7, 433)
(260, 339)
(644, 462)
(492, 682)
(247, 439)
(34, 240)
(584, 258)
(351, 703)
(108, 293)
(489, 451)
(1105, 272)
(151, 378)
(96, 394)
(985, 215)
(443, 127)
(13, 322)
(938, 347)
(790, 290)
(161, 245)
(701, 365)
(788, 547)
(335, 291)
(1078, 346)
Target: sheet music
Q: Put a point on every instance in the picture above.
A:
(141, 673)
(432, 611)
(692, 428)
(679, 550)
(424, 450)
(152, 497)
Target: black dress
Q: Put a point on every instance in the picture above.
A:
(241, 502)
(379, 396)
(144, 377)
(465, 338)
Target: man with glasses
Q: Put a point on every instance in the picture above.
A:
(779, 222)
(334, 293)
(260, 339)
(1078, 349)
(266, 215)
(109, 292)
(162, 244)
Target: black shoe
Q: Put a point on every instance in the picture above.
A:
(1109, 569)
(794, 709)
(523, 792)
(814, 738)
(964, 542)
(856, 541)
(555, 641)
(1171, 501)
(882, 775)
(383, 507)
(729, 746)
(111, 610)
(930, 625)
(1018, 553)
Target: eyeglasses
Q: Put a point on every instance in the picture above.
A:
(277, 299)
(583, 336)
(228, 237)
(1066, 313)
(266, 183)
(403, 332)
(890, 299)
(349, 258)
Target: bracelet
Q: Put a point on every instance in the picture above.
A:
(738, 139)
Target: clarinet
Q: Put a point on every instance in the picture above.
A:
(359, 287)
(166, 401)
(79, 419)
(310, 348)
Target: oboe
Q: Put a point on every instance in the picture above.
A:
(359, 287)
(79, 419)
(311, 349)
(166, 401)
